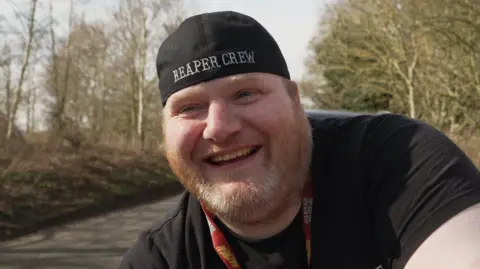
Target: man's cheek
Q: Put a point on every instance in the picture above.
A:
(186, 141)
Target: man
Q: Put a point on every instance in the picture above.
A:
(267, 187)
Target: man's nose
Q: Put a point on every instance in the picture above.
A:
(221, 123)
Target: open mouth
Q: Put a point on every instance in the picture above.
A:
(234, 156)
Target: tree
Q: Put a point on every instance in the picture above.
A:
(392, 55)
(136, 36)
(18, 88)
(110, 91)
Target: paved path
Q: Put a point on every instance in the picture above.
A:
(97, 243)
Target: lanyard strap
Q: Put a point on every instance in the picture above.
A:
(225, 251)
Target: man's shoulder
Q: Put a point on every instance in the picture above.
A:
(364, 130)
(170, 217)
(361, 140)
(173, 221)
(169, 228)
(343, 121)
(162, 240)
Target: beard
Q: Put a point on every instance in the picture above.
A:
(255, 198)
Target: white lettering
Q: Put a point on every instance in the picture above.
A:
(250, 57)
(232, 57)
(189, 70)
(241, 55)
(211, 62)
(205, 64)
(225, 59)
(197, 65)
(182, 71)
(175, 75)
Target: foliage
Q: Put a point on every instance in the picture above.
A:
(419, 58)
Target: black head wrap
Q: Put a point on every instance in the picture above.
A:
(214, 45)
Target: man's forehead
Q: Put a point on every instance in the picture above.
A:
(219, 83)
(231, 80)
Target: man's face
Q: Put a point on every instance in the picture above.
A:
(241, 144)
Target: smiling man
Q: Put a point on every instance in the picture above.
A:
(241, 148)
(268, 187)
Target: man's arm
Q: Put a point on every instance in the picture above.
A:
(423, 190)
(456, 244)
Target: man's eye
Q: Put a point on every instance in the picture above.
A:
(186, 109)
(243, 94)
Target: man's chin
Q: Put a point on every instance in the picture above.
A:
(237, 201)
(233, 186)
(227, 191)
(241, 188)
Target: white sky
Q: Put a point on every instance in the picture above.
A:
(291, 23)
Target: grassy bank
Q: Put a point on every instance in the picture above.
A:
(39, 183)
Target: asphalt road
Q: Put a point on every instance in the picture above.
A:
(97, 243)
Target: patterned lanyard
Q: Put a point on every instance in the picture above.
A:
(225, 251)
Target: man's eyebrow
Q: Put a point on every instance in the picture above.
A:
(243, 78)
(235, 83)
(182, 95)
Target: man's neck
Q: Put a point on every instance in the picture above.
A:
(269, 228)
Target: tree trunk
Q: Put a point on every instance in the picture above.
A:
(25, 63)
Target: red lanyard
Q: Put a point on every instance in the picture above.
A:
(225, 251)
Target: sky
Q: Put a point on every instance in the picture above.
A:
(291, 23)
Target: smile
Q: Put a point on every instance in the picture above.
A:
(233, 156)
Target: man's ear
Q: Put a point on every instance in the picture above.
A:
(292, 89)
(297, 89)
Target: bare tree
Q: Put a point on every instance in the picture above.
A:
(30, 101)
(60, 79)
(135, 33)
(6, 68)
(27, 51)
(112, 86)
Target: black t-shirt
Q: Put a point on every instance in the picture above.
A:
(283, 251)
(382, 184)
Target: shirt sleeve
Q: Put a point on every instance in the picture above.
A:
(143, 255)
(417, 179)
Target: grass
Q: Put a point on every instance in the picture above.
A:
(38, 182)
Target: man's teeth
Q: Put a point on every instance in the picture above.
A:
(233, 155)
